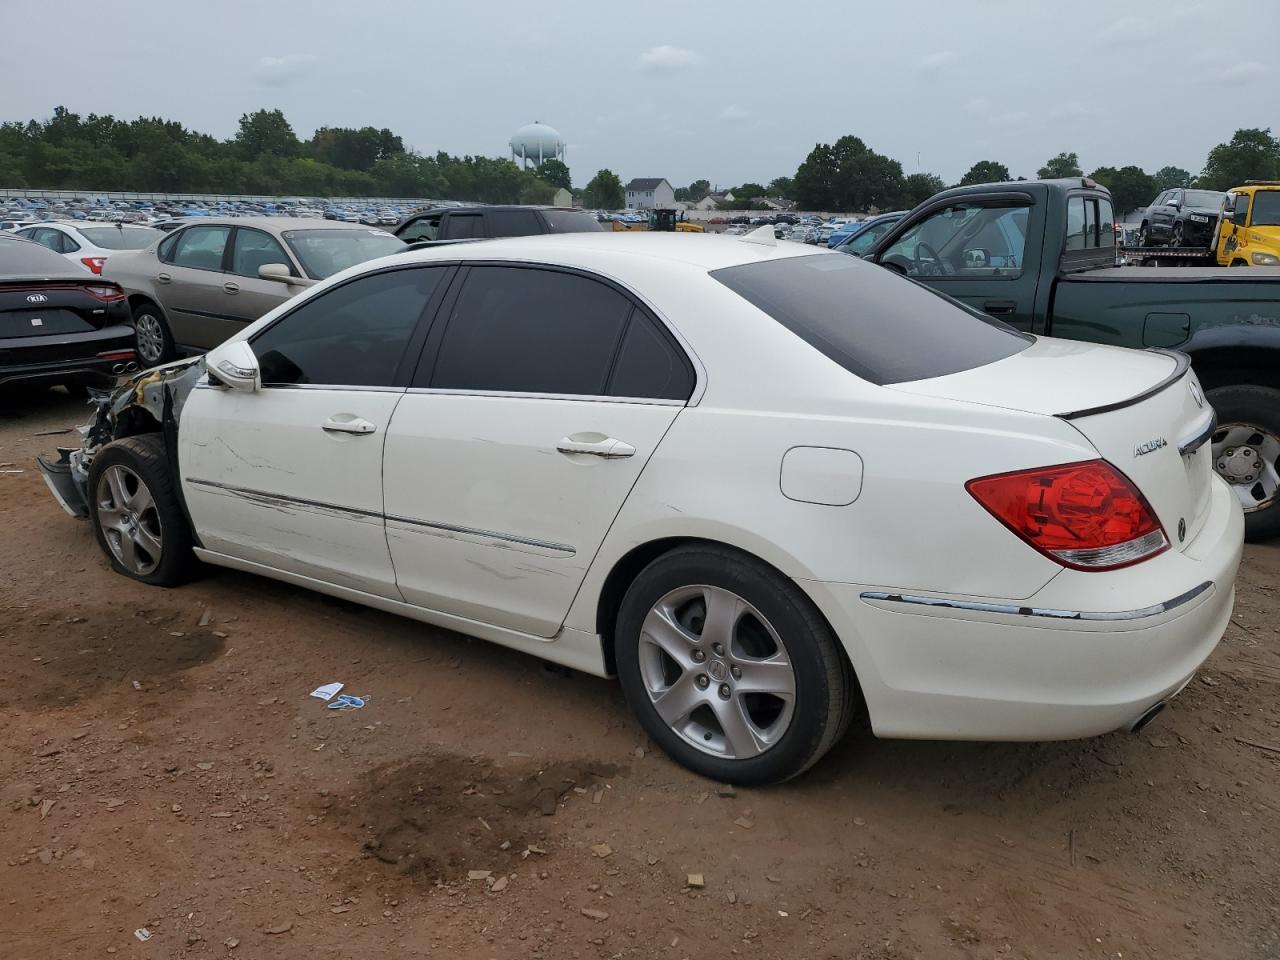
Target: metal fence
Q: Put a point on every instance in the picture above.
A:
(113, 195)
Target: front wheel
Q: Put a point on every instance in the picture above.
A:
(730, 668)
(1176, 240)
(135, 512)
(1246, 453)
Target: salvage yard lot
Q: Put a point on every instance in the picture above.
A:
(165, 773)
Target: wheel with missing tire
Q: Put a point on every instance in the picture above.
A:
(730, 668)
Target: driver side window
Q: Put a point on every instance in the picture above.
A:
(963, 241)
(352, 335)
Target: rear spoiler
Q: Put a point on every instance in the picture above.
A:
(1182, 363)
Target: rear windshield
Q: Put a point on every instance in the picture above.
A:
(120, 238)
(572, 221)
(874, 323)
(326, 252)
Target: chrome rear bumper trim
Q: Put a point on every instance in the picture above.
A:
(1012, 610)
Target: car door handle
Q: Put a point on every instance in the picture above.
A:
(998, 307)
(231, 287)
(346, 423)
(163, 278)
(608, 448)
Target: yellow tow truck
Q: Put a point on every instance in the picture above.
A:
(1249, 234)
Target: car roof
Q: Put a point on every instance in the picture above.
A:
(278, 223)
(701, 251)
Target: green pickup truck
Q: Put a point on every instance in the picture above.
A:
(1041, 256)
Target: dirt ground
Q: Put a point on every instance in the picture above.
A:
(162, 767)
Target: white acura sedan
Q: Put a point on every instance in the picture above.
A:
(767, 488)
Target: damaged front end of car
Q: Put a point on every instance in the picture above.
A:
(150, 402)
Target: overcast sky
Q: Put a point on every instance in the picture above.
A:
(729, 90)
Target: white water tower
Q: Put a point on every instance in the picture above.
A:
(536, 142)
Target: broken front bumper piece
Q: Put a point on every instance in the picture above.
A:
(67, 481)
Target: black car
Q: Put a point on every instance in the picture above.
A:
(60, 324)
(448, 224)
(1181, 218)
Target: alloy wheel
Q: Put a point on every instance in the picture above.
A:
(129, 520)
(717, 672)
(150, 337)
(1248, 458)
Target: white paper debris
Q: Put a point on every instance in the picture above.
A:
(143, 934)
(327, 692)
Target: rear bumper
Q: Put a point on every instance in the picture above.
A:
(1089, 654)
(60, 359)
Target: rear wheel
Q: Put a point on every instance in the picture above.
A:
(1144, 235)
(730, 668)
(155, 342)
(135, 512)
(1246, 453)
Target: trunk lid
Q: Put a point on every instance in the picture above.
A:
(1142, 410)
(41, 308)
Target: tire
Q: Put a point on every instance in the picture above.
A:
(136, 515)
(1175, 238)
(1249, 432)
(153, 337)
(774, 624)
(1144, 235)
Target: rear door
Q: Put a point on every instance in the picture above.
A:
(539, 400)
(977, 251)
(189, 277)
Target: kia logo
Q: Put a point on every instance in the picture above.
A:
(37, 298)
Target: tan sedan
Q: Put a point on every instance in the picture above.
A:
(212, 277)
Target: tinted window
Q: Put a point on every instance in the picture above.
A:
(1077, 237)
(649, 365)
(513, 223)
(253, 249)
(201, 247)
(461, 226)
(352, 335)
(874, 324)
(572, 221)
(964, 240)
(424, 228)
(531, 331)
(1106, 223)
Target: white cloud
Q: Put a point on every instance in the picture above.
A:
(1124, 31)
(1070, 110)
(281, 71)
(937, 60)
(1242, 73)
(1014, 119)
(666, 58)
(734, 112)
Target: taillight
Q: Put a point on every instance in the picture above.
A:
(1087, 516)
(94, 263)
(103, 292)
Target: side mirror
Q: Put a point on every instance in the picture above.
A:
(276, 271)
(976, 257)
(234, 365)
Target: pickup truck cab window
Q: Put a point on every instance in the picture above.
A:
(964, 240)
(463, 226)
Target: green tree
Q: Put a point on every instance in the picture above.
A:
(266, 131)
(698, 190)
(354, 149)
(1063, 165)
(919, 187)
(782, 187)
(1167, 177)
(985, 171)
(554, 172)
(605, 192)
(536, 190)
(1131, 187)
(815, 179)
(1251, 154)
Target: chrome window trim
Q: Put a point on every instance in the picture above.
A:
(1014, 610)
(580, 397)
(260, 495)
(331, 386)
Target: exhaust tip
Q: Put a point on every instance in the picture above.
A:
(1147, 717)
(130, 367)
(117, 368)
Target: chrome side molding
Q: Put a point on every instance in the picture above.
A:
(1012, 610)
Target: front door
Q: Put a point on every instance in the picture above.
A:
(290, 476)
(539, 400)
(246, 295)
(977, 252)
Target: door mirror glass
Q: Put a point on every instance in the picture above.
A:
(275, 271)
(234, 365)
(975, 257)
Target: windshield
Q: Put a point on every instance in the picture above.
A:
(873, 323)
(863, 241)
(1266, 208)
(120, 238)
(1203, 198)
(326, 252)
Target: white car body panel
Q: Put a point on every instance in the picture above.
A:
(955, 627)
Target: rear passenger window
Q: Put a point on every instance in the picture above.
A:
(513, 223)
(650, 365)
(522, 330)
(463, 226)
(352, 335)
